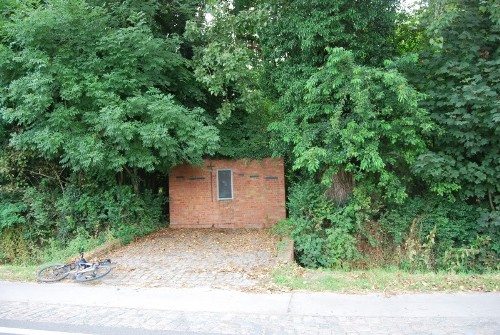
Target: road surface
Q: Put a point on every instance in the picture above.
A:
(71, 308)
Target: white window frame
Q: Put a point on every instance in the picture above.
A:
(232, 185)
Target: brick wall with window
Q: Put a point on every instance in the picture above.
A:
(228, 193)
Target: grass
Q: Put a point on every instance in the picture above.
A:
(388, 281)
(18, 272)
(94, 248)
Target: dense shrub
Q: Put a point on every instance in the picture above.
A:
(433, 233)
(14, 247)
(45, 219)
(117, 208)
(428, 233)
(11, 213)
(320, 228)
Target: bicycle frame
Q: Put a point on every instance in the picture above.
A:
(83, 266)
(81, 270)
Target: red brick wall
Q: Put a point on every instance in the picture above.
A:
(258, 194)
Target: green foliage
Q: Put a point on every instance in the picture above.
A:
(227, 64)
(55, 252)
(409, 34)
(294, 46)
(478, 256)
(459, 71)
(98, 100)
(489, 225)
(359, 119)
(244, 135)
(339, 110)
(14, 247)
(320, 229)
(52, 221)
(95, 93)
(338, 106)
(95, 211)
(95, 97)
(7, 9)
(11, 214)
(436, 234)
(294, 41)
(138, 216)
(454, 221)
(88, 90)
(225, 55)
(422, 234)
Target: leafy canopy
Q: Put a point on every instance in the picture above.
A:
(97, 92)
(338, 106)
(356, 118)
(226, 62)
(460, 73)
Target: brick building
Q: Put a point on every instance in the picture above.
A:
(228, 193)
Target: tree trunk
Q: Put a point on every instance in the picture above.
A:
(342, 186)
(134, 179)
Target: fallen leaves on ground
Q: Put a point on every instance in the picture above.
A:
(247, 253)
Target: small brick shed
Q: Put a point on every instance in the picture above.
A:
(228, 194)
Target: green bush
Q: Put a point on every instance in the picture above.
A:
(117, 208)
(320, 228)
(489, 224)
(45, 220)
(433, 233)
(142, 216)
(341, 248)
(427, 233)
(41, 215)
(82, 241)
(14, 247)
(11, 214)
(478, 256)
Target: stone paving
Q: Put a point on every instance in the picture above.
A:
(217, 258)
(245, 324)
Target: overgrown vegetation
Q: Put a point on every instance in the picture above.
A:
(388, 122)
(44, 220)
(94, 113)
(421, 234)
(389, 177)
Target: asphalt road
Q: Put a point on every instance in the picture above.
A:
(99, 309)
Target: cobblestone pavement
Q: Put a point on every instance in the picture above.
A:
(245, 324)
(217, 258)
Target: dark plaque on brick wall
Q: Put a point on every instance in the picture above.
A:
(225, 184)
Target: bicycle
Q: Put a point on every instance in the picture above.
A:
(83, 271)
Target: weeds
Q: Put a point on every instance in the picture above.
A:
(390, 281)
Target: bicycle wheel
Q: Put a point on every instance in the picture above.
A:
(95, 272)
(52, 273)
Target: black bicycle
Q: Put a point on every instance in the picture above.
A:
(82, 271)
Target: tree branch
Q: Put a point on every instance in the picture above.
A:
(490, 198)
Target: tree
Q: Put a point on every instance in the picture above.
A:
(460, 73)
(226, 61)
(357, 122)
(342, 114)
(97, 93)
(97, 102)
